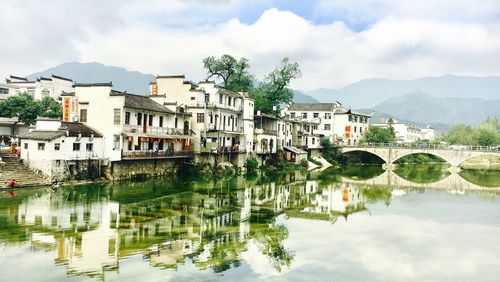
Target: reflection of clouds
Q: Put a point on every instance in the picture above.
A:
(257, 261)
(396, 248)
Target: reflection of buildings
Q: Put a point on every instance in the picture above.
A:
(335, 200)
(85, 236)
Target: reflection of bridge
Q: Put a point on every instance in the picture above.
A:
(453, 181)
(390, 153)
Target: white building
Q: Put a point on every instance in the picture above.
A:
(133, 126)
(222, 120)
(349, 126)
(55, 148)
(265, 134)
(319, 114)
(41, 87)
(7, 90)
(409, 133)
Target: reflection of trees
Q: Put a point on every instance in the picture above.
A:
(375, 194)
(486, 178)
(361, 172)
(422, 173)
(270, 238)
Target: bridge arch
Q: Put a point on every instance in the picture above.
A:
(391, 154)
(382, 157)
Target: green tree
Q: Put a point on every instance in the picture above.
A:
(379, 135)
(273, 92)
(50, 108)
(460, 134)
(22, 106)
(233, 73)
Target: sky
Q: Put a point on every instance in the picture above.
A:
(335, 42)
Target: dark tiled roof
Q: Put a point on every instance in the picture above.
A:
(349, 111)
(73, 128)
(228, 92)
(322, 107)
(42, 135)
(295, 150)
(62, 78)
(171, 76)
(18, 77)
(68, 93)
(144, 103)
(44, 78)
(76, 128)
(108, 84)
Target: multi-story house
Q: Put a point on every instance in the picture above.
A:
(134, 127)
(408, 133)
(222, 120)
(41, 87)
(349, 126)
(60, 149)
(319, 114)
(7, 90)
(265, 134)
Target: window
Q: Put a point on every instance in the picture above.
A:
(313, 139)
(350, 118)
(161, 122)
(76, 146)
(229, 101)
(116, 116)
(116, 142)
(25, 145)
(328, 126)
(41, 146)
(89, 147)
(139, 119)
(304, 115)
(328, 115)
(127, 117)
(193, 98)
(292, 115)
(57, 146)
(45, 93)
(83, 115)
(4, 91)
(200, 117)
(355, 129)
(207, 98)
(316, 115)
(220, 98)
(150, 120)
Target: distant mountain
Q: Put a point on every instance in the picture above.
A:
(370, 92)
(381, 117)
(425, 109)
(299, 97)
(131, 81)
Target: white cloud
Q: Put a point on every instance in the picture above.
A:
(135, 36)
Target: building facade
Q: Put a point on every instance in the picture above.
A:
(41, 87)
(60, 149)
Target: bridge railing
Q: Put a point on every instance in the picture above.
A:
(426, 146)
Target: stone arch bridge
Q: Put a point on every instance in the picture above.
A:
(390, 153)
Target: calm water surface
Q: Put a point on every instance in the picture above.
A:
(416, 224)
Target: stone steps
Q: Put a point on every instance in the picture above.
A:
(13, 168)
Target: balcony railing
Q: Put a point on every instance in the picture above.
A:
(157, 154)
(216, 105)
(221, 150)
(154, 130)
(213, 127)
(266, 131)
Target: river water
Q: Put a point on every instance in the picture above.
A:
(357, 224)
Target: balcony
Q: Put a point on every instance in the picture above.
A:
(227, 128)
(266, 131)
(168, 154)
(210, 105)
(154, 130)
(215, 149)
